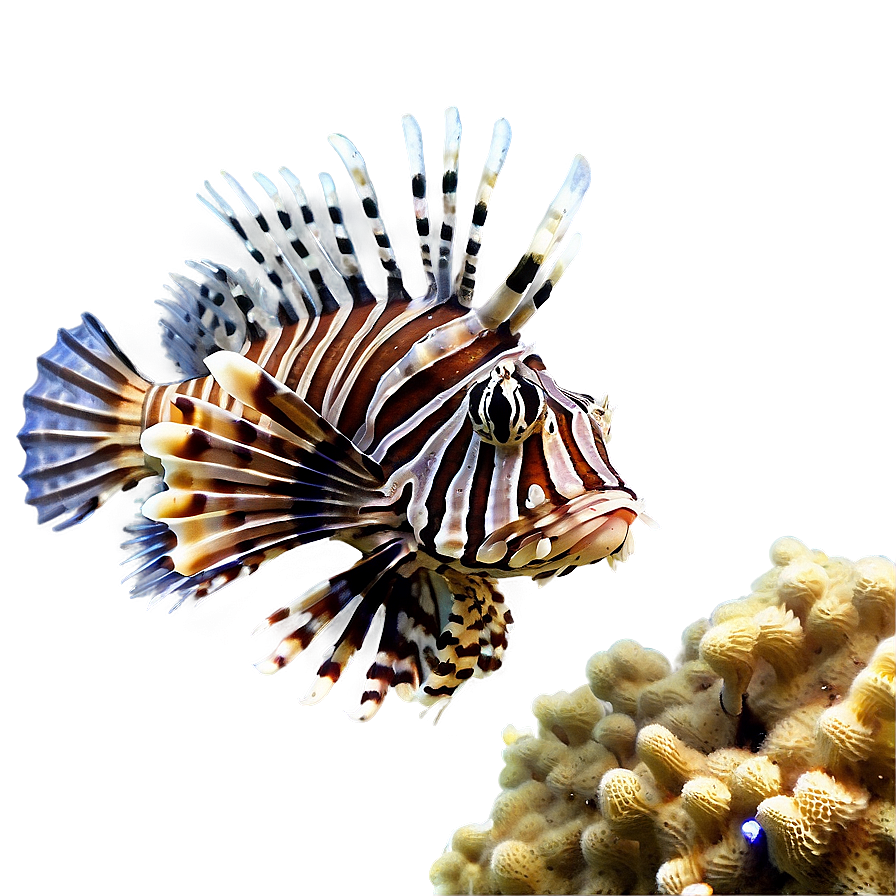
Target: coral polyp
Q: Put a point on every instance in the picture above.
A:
(762, 763)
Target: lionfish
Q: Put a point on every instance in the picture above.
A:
(421, 431)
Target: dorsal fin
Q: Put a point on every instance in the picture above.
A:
(299, 268)
(260, 245)
(542, 286)
(220, 309)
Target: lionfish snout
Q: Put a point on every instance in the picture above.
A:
(553, 538)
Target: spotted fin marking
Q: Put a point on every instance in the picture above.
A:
(83, 418)
(219, 310)
(152, 574)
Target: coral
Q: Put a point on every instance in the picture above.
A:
(763, 763)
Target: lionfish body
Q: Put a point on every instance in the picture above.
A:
(422, 431)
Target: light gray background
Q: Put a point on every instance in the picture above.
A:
(734, 296)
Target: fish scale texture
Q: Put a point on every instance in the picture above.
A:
(762, 763)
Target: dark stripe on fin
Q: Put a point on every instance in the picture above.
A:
(510, 298)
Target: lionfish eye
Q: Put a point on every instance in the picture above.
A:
(506, 408)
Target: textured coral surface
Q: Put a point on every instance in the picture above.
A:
(763, 763)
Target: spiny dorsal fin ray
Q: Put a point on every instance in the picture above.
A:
(466, 276)
(267, 252)
(540, 290)
(309, 259)
(503, 302)
(414, 142)
(451, 160)
(281, 277)
(351, 270)
(357, 169)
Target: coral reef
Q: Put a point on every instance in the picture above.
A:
(763, 763)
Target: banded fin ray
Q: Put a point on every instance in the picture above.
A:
(320, 605)
(251, 232)
(357, 169)
(451, 161)
(497, 153)
(504, 301)
(413, 139)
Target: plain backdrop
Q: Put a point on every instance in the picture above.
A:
(734, 296)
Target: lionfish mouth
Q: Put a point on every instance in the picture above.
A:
(591, 527)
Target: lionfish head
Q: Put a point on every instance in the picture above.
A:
(571, 507)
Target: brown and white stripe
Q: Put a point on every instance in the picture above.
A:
(421, 430)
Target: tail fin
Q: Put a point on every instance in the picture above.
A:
(83, 419)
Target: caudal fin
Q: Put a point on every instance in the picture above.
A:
(83, 419)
